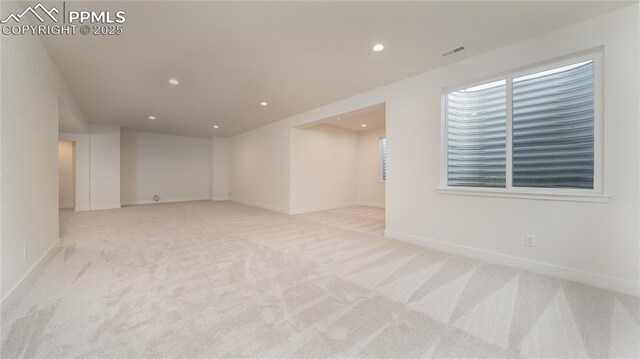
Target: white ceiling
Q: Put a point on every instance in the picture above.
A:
(296, 55)
(373, 117)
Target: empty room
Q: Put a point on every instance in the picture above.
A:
(306, 179)
(338, 170)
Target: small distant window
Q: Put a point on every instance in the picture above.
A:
(382, 146)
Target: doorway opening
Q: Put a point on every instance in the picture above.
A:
(66, 175)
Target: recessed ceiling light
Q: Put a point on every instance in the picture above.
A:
(174, 81)
(216, 126)
(378, 47)
(364, 125)
(152, 117)
(263, 103)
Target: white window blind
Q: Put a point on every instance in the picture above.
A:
(553, 128)
(476, 136)
(382, 146)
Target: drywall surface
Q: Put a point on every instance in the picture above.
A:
(66, 175)
(219, 169)
(259, 167)
(31, 90)
(70, 117)
(105, 166)
(324, 168)
(176, 168)
(371, 188)
(595, 243)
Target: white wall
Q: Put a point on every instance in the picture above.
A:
(70, 116)
(592, 242)
(105, 166)
(149, 164)
(371, 190)
(31, 88)
(259, 167)
(324, 168)
(219, 169)
(66, 175)
(176, 168)
(595, 243)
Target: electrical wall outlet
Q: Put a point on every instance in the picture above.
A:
(25, 251)
(529, 240)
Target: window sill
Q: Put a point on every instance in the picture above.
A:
(594, 198)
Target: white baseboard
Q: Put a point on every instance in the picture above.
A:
(322, 207)
(371, 204)
(260, 205)
(170, 200)
(215, 199)
(304, 209)
(571, 274)
(66, 205)
(106, 206)
(30, 276)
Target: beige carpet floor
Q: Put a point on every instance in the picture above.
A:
(205, 279)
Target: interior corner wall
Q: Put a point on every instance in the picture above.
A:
(70, 117)
(219, 169)
(371, 188)
(104, 166)
(31, 88)
(593, 243)
(176, 168)
(324, 168)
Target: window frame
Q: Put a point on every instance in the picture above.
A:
(596, 194)
(382, 175)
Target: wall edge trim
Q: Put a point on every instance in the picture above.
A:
(106, 206)
(172, 200)
(30, 276)
(371, 204)
(571, 274)
(323, 207)
(260, 205)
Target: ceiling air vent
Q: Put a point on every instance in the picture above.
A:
(452, 51)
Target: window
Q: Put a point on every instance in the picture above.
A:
(553, 120)
(533, 132)
(476, 136)
(382, 149)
